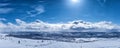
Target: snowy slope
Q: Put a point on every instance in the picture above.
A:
(11, 42)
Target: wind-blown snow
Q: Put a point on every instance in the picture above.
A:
(72, 26)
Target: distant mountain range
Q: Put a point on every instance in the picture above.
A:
(39, 35)
(63, 36)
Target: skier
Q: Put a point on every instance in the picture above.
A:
(18, 42)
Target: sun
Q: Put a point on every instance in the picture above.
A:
(75, 1)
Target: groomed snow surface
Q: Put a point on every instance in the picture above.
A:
(11, 42)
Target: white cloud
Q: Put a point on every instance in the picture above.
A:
(5, 10)
(4, 4)
(37, 10)
(73, 26)
(2, 19)
(102, 2)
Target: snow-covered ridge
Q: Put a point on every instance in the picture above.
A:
(65, 36)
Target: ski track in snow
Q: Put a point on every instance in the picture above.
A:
(11, 42)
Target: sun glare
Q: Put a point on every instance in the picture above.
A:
(75, 1)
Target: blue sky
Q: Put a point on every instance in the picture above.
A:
(54, 11)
